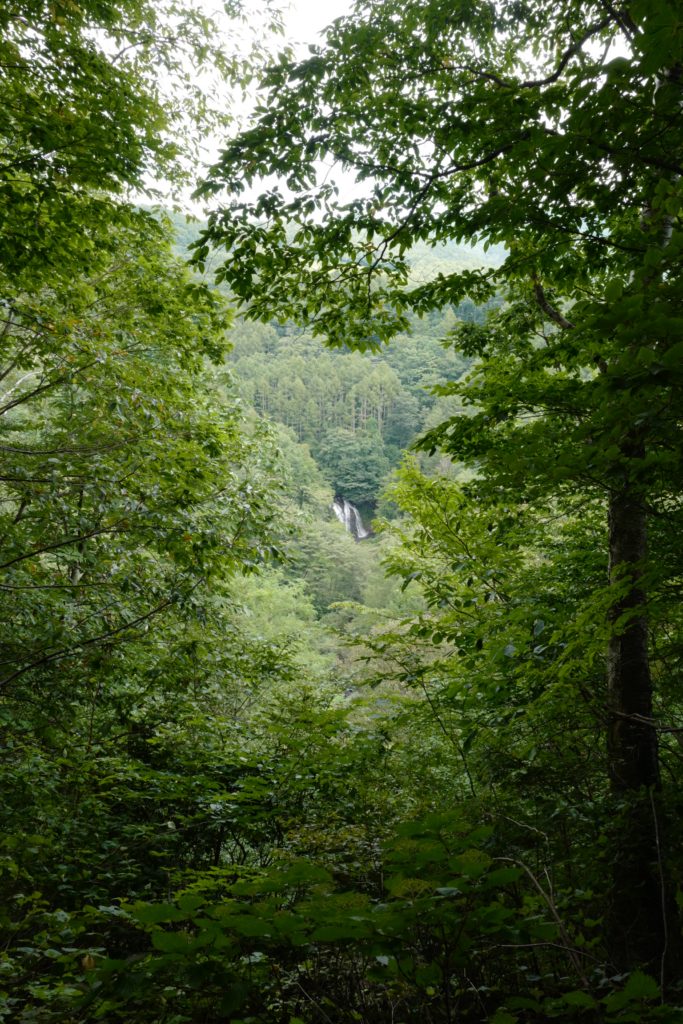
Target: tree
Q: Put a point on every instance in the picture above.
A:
(103, 333)
(85, 121)
(554, 130)
(128, 481)
(122, 490)
(354, 464)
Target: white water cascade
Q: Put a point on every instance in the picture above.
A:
(347, 513)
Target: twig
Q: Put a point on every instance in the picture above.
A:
(662, 894)
(549, 902)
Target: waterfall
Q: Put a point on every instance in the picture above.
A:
(347, 513)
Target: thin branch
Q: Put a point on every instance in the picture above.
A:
(550, 903)
(46, 387)
(28, 394)
(65, 652)
(622, 18)
(449, 736)
(61, 544)
(538, 83)
(55, 586)
(570, 52)
(80, 450)
(662, 894)
(651, 722)
(549, 310)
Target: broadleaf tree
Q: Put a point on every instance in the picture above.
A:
(553, 130)
(129, 478)
(103, 332)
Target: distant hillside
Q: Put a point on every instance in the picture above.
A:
(357, 413)
(427, 259)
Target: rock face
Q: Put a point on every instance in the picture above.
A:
(347, 513)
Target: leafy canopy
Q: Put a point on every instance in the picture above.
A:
(566, 150)
(453, 130)
(98, 99)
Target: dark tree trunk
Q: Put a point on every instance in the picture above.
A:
(632, 740)
(642, 920)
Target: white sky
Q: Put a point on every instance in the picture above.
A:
(305, 18)
(304, 21)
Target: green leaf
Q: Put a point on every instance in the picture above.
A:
(189, 902)
(155, 913)
(614, 289)
(641, 986)
(172, 942)
(244, 924)
(580, 999)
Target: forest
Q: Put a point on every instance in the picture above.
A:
(341, 642)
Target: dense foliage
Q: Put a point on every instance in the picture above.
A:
(255, 771)
(554, 130)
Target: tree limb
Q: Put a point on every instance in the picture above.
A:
(549, 310)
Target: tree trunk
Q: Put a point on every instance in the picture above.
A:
(632, 739)
(642, 919)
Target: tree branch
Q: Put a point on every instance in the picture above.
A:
(549, 310)
(60, 544)
(66, 651)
